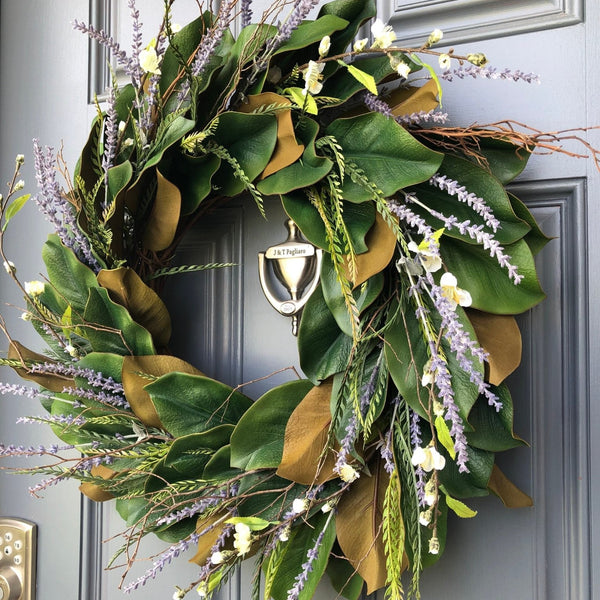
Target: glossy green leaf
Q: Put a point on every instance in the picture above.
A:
(535, 238)
(103, 315)
(311, 32)
(267, 496)
(364, 294)
(118, 178)
(296, 556)
(344, 579)
(388, 155)
(89, 165)
(471, 484)
(406, 354)
(505, 160)
(482, 184)
(323, 347)
(71, 278)
(359, 218)
(488, 283)
(13, 208)
(257, 441)
(250, 139)
(219, 468)
(444, 437)
(306, 171)
(192, 404)
(254, 523)
(493, 430)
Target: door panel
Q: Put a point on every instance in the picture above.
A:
(543, 553)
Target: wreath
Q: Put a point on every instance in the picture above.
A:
(404, 345)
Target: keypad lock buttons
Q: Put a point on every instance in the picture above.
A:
(17, 559)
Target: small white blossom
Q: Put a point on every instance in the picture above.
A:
(20, 159)
(327, 507)
(435, 36)
(127, 142)
(34, 288)
(454, 294)
(425, 517)
(431, 262)
(9, 266)
(312, 76)
(299, 505)
(217, 558)
(434, 545)
(149, 61)
(176, 27)
(178, 594)
(242, 538)
(403, 69)
(384, 35)
(71, 350)
(428, 375)
(284, 534)
(348, 473)
(324, 46)
(202, 589)
(445, 61)
(26, 316)
(19, 186)
(122, 126)
(360, 45)
(428, 459)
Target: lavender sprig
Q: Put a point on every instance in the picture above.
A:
(489, 73)
(136, 44)
(94, 378)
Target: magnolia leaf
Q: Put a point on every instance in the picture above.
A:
(287, 149)
(164, 216)
(502, 158)
(304, 172)
(408, 100)
(365, 78)
(444, 437)
(471, 484)
(134, 382)
(110, 328)
(492, 429)
(191, 404)
(310, 32)
(144, 305)
(387, 154)
(13, 208)
(94, 491)
(209, 529)
(381, 242)
(219, 468)
(258, 439)
(344, 579)
(359, 526)
(358, 218)
(51, 381)
(306, 436)
(488, 283)
(507, 491)
(72, 279)
(500, 337)
(89, 164)
(297, 555)
(459, 508)
(536, 239)
(323, 347)
(250, 139)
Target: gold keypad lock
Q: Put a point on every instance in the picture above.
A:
(17, 559)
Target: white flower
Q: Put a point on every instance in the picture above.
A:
(312, 77)
(69, 349)
(178, 594)
(348, 473)
(428, 375)
(122, 126)
(445, 61)
(431, 262)
(217, 558)
(9, 266)
(34, 288)
(26, 316)
(435, 36)
(175, 27)
(428, 459)
(327, 507)
(434, 545)
(324, 46)
(149, 61)
(360, 45)
(299, 505)
(242, 538)
(455, 295)
(19, 185)
(127, 142)
(384, 35)
(202, 589)
(284, 534)
(20, 159)
(403, 69)
(425, 517)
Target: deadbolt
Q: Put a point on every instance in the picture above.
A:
(17, 559)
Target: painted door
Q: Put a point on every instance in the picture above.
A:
(48, 73)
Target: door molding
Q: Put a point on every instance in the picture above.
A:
(470, 20)
(557, 379)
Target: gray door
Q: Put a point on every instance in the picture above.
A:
(543, 553)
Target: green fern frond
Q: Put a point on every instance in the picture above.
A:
(393, 539)
(188, 269)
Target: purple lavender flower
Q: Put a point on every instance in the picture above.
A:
(375, 104)
(490, 73)
(110, 133)
(246, 12)
(432, 116)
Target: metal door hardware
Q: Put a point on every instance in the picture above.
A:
(17, 559)
(296, 265)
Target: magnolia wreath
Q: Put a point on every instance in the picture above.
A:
(404, 345)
